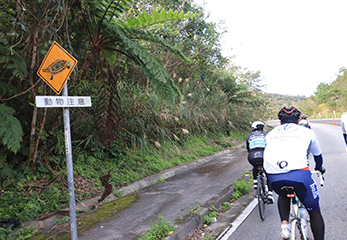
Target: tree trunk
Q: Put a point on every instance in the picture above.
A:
(33, 91)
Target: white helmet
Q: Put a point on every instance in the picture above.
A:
(257, 125)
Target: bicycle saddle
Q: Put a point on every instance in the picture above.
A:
(290, 190)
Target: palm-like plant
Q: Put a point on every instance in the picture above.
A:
(108, 33)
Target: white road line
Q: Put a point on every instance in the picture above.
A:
(238, 220)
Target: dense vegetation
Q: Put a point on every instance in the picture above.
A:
(330, 97)
(329, 100)
(162, 94)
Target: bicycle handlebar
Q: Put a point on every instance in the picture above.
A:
(320, 176)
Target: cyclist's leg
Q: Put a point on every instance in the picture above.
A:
(283, 204)
(255, 162)
(284, 208)
(270, 190)
(255, 172)
(277, 181)
(255, 175)
(317, 224)
(309, 196)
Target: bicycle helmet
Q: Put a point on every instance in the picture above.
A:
(258, 125)
(289, 115)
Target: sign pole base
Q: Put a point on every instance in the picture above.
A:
(70, 176)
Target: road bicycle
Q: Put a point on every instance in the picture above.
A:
(299, 218)
(262, 192)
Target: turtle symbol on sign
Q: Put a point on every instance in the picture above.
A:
(57, 67)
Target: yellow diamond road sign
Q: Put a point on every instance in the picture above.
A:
(56, 67)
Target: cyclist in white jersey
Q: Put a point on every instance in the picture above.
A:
(344, 126)
(286, 163)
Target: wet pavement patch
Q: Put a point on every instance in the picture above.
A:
(85, 222)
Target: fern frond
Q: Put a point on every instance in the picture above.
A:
(114, 8)
(7, 90)
(7, 175)
(14, 62)
(148, 36)
(144, 20)
(2, 158)
(11, 131)
(161, 81)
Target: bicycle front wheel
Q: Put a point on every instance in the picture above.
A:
(261, 197)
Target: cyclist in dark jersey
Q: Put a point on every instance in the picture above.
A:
(255, 146)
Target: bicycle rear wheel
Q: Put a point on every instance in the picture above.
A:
(261, 197)
(308, 230)
(296, 231)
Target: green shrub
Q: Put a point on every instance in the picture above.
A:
(241, 187)
(19, 206)
(208, 218)
(159, 230)
(225, 207)
(22, 234)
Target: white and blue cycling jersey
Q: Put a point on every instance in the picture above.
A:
(287, 147)
(258, 142)
(344, 122)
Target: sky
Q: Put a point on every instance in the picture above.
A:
(295, 44)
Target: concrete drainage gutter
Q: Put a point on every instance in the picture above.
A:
(226, 223)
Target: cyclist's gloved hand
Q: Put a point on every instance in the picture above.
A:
(321, 169)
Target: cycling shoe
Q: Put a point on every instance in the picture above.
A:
(285, 233)
(270, 198)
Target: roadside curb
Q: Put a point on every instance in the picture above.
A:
(240, 218)
(228, 220)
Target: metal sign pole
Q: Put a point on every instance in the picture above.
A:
(70, 176)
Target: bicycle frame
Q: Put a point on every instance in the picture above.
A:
(296, 204)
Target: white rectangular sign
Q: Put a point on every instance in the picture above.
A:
(62, 101)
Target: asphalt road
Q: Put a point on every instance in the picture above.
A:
(208, 181)
(332, 196)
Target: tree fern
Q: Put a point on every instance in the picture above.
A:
(10, 129)
(155, 73)
(123, 37)
(13, 61)
(153, 38)
(144, 20)
(108, 9)
(109, 34)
